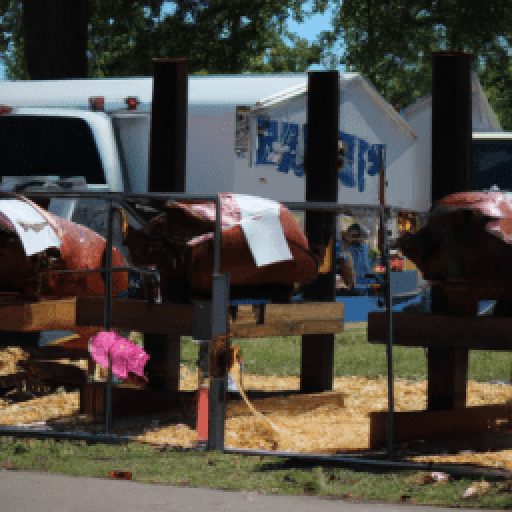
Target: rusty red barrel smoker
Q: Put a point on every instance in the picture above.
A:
(466, 241)
(179, 241)
(32, 275)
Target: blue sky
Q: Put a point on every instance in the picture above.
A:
(308, 30)
(311, 26)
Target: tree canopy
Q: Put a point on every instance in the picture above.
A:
(388, 42)
(217, 36)
(391, 43)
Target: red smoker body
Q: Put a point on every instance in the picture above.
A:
(81, 248)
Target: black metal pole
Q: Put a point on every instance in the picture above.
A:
(219, 344)
(384, 218)
(217, 242)
(107, 314)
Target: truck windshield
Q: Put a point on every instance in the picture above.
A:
(491, 164)
(40, 145)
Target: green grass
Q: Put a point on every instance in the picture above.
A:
(273, 356)
(262, 474)
(353, 355)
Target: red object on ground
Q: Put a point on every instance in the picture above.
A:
(202, 414)
(120, 475)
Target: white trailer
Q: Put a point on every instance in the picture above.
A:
(246, 134)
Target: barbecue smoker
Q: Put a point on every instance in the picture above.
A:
(167, 264)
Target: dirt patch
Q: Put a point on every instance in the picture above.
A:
(9, 359)
(330, 422)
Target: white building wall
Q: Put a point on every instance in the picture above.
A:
(421, 123)
(361, 116)
(266, 180)
(210, 150)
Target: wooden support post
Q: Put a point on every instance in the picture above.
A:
(163, 367)
(447, 368)
(321, 185)
(317, 363)
(451, 143)
(447, 378)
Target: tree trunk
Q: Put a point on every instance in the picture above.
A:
(55, 33)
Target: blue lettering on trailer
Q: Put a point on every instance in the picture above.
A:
(290, 139)
(267, 136)
(346, 174)
(361, 159)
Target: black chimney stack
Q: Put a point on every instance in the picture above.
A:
(168, 146)
(451, 123)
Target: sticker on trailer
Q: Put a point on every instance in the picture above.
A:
(242, 131)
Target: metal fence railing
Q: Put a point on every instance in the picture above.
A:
(218, 326)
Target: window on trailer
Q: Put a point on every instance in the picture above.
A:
(54, 146)
(491, 164)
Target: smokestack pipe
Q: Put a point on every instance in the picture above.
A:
(168, 143)
(451, 123)
(321, 162)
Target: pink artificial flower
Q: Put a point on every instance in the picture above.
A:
(126, 356)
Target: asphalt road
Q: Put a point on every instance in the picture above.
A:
(22, 491)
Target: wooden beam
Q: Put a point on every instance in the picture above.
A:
(287, 320)
(443, 331)
(138, 315)
(39, 316)
(286, 329)
(65, 314)
(128, 400)
(53, 373)
(438, 425)
(309, 311)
